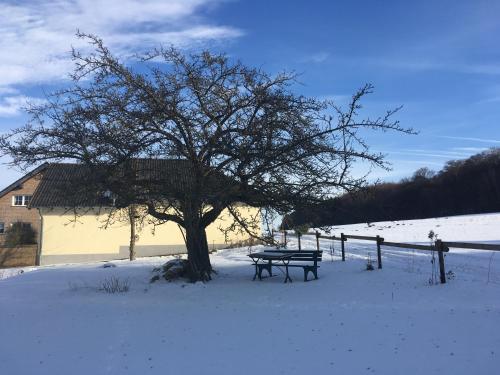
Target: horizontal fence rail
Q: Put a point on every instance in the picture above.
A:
(472, 245)
(411, 246)
(439, 246)
(364, 238)
(334, 238)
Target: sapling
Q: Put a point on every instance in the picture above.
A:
(432, 238)
(369, 264)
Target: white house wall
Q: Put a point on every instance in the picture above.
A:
(66, 238)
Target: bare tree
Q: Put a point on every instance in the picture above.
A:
(132, 217)
(244, 136)
(135, 218)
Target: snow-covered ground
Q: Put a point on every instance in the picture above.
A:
(53, 320)
(470, 228)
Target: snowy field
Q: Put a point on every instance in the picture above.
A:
(53, 320)
(467, 228)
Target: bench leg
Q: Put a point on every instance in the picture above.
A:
(267, 267)
(256, 272)
(287, 276)
(308, 269)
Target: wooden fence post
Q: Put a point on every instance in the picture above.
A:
(379, 252)
(317, 240)
(298, 237)
(342, 239)
(284, 232)
(440, 248)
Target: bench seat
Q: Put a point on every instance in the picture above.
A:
(306, 259)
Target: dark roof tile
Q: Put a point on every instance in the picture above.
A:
(64, 185)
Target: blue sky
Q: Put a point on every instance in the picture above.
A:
(439, 59)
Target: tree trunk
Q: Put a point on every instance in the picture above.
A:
(198, 257)
(197, 247)
(133, 236)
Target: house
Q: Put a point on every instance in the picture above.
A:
(69, 235)
(15, 200)
(14, 203)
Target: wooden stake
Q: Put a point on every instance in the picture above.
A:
(439, 248)
(298, 236)
(342, 238)
(317, 240)
(379, 252)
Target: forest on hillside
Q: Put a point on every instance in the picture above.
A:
(462, 187)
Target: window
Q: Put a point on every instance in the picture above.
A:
(21, 200)
(2, 228)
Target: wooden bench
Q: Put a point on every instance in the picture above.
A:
(306, 259)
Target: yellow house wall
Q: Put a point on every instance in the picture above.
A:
(62, 236)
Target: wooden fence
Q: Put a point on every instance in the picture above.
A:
(439, 246)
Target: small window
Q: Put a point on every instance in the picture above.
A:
(2, 228)
(21, 200)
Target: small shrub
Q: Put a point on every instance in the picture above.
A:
(74, 286)
(369, 264)
(114, 285)
(302, 229)
(172, 270)
(20, 233)
(432, 236)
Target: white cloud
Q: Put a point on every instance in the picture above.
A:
(441, 152)
(482, 140)
(431, 154)
(8, 90)
(419, 162)
(12, 105)
(470, 149)
(418, 63)
(36, 37)
(317, 58)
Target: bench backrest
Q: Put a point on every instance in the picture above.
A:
(301, 255)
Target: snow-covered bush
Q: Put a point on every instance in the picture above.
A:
(172, 270)
(114, 285)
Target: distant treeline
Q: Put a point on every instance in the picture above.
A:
(462, 187)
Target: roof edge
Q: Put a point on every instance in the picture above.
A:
(23, 179)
